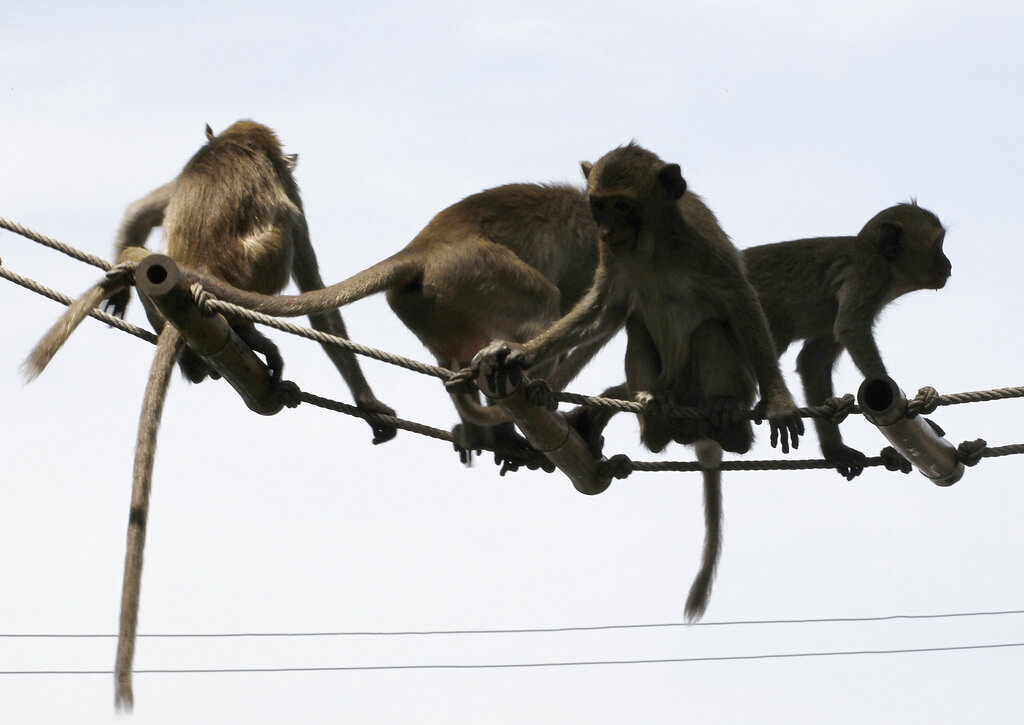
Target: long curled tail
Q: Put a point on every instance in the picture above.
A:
(54, 340)
(168, 347)
(709, 454)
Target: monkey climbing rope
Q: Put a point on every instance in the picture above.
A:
(834, 409)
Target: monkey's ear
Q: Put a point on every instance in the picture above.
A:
(587, 168)
(670, 176)
(209, 133)
(291, 161)
(890, 240)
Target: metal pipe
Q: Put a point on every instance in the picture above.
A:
(884, 404)
(158, 278)
(548, 432)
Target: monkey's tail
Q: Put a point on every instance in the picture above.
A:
(46, 348)
(168, 347)
(709, 454)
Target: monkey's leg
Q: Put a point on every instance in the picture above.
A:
(306, 273)
(815, 363)
(169, 344)
(265, 346)
(590, 422)
(644, 375)
(720, 378)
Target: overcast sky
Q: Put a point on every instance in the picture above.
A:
(792, 119)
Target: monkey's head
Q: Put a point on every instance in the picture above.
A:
(257, 136)
(628, 188)
(910, 238)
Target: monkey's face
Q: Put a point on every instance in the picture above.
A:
(618, 220)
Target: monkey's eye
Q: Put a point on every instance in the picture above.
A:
(623, 207)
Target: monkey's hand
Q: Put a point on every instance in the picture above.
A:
(117, 303)
(848, 461)
(784, 419)
(498, 367)
(381, 433)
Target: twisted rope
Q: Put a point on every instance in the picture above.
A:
(56, 296)
(833, 409)
(54, 244)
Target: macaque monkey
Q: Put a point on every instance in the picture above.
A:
(233, 213)
(695, 331)
(829, 291)
(504, 263)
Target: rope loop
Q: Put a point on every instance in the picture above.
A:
(893, 461)
(926, 402)
(837, 409)
(970, 452)
(461, 381)
(202, 299)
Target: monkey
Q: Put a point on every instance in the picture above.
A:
(503, 263)
(695, 333)
(828, 291)
(234, 212)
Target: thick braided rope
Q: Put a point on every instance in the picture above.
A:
(56, 296)
(834, 409)
(54, 244)
(323, 337)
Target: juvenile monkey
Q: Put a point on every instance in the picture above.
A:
(504, 263)
(695, 332)
(829, 291)
(233, 213)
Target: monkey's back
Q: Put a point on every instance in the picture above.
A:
(547, 226)
(232, 214)
(798, 283)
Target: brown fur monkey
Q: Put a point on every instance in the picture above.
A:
(695, 332)
(504, 263)
(234, 212)
(828, 291)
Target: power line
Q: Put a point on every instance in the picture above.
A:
(525, 665)
(524, 630)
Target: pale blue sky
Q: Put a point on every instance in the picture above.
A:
(789, 120)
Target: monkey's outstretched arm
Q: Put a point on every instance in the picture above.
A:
(747, 318)
(858, 307)
(596, 315)
(138, 221)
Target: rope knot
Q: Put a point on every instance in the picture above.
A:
(836, 410)
(970, 452)
(893, 461)
(926, 402)
(461, 382)
(120, 275)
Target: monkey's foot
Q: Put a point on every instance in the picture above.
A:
(848, 461)
(590, 424)
(382, 433)
(727, 424)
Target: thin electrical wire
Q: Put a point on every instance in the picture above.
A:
(525, 630)
(526, 665)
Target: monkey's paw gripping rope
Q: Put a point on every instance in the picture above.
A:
(834, 410)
